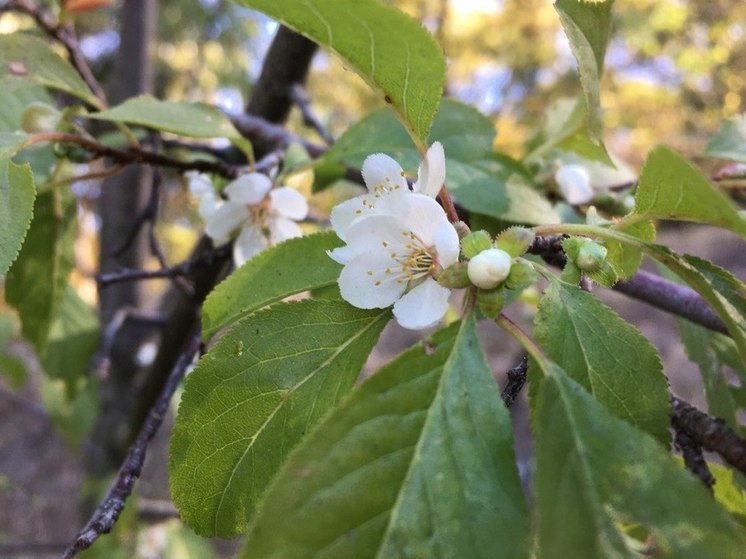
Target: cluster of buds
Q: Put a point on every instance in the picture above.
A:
(494, 267)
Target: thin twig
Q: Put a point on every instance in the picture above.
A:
(517, 377)
(135, 154)
(301, 100)
(693, 457)
(65, 35)
(183, 269)
(108, 511)
(710, 433)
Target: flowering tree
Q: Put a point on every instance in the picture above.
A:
(274, 439)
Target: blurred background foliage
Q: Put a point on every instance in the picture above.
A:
(674, 68)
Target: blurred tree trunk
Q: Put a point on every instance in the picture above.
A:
(122, 200)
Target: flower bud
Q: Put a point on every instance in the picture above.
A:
(489, 268)
(574, 184)
(475, 242)
(591, 256)
(40, 117)
(455, 276)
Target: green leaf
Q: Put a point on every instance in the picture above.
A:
(721, 289)
(595, 474)
(702, 347)
(18, 93)
(730, 141)
(291, 267)
(728, 493)
(73, 338)
(17, 195)
(195, 120)
(386, 47)
(482, 181)
(626, 259)
(37, 280)
(565, 127)
(252, 398)
(31, 57)
(587, 25)
(606, 355)
(73, 413)
(672, 188)
(418, 462)
(11, 142)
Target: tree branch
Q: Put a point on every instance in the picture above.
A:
(672, 297)
(693, 457)
(709, 432)
(183, 269)
(65, 35)
(108, 511)
(644, 286)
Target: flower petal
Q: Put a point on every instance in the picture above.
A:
(288, 202)
(574, 183)
(281, 229)
(424, 216)
(445, 239)
(251, 241)
(365, 284)
(225, 220)
(199, 183)
(378, 234)
(432, 172)
(422, 307)
(382, 174)
(342, 255)
(248, 189)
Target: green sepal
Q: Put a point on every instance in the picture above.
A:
(475, 242)
(491, 301)
(522, 274)
(515, 240)
(455, 276)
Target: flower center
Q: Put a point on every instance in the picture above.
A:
(411, 261)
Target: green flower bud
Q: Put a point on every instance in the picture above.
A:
(455, 276)
(489, 268)
(522, 274)
(475, 242)
(515, 240)
(40, 117)
(491, 301)
(591, 256)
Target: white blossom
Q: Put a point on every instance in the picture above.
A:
(258, 215)
(386, 182)
(392, 258)
(574, 182)
(489, 268)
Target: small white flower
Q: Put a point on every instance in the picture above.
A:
(386, 182)
(574, 183)
(489, 268)
(392, 259)
(260, 216)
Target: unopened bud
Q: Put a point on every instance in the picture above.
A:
(489, 268)
(40, 117)
(591, 257)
